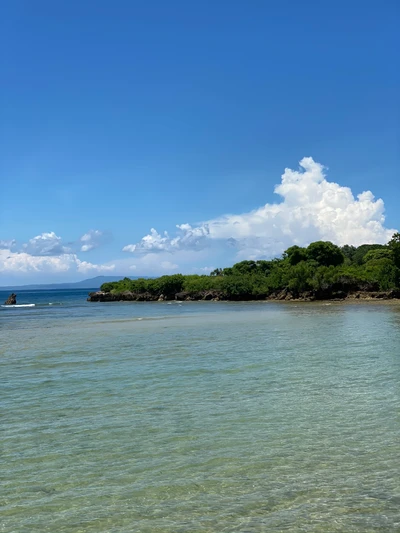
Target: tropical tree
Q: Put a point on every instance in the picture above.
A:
(361, 251)
(378, 253)
(394, 245)
(245, 267)
(348, 251)
(325, 253)
(295, 254)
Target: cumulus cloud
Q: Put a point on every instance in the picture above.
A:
(92, 239)
(24, 263)
(312, 208)
(46, 253)
(153, 242)
(7, 245)
(188, 238)
(45, 244)
(45, 256)
(85, 266)
(15, 262)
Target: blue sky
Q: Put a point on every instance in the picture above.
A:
(124, 117)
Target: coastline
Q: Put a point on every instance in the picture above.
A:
(282, 296)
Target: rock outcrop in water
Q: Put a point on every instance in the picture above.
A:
(11, 300)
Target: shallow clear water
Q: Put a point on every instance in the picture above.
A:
(198, 417)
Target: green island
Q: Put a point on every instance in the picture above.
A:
(321, 271)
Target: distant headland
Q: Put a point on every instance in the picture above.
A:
(321, 271)
(91, 283)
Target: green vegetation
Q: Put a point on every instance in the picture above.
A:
(322, 270)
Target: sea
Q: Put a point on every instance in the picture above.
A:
(198, 417)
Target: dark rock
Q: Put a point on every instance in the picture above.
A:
(11, 300)
(208, 295)
(101, 296)
(181, 295)
(281, 295)
(127, 296)
(394, 293)
(308, 296)
(212, 295)
(339, 295)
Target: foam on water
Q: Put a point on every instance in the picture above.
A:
(10, 306)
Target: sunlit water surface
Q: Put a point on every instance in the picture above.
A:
(198, 417)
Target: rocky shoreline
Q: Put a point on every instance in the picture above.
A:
(284, 295)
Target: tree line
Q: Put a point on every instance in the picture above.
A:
(322, 269)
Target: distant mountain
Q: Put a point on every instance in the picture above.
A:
(92, 283)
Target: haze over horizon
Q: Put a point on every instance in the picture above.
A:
(146, 139)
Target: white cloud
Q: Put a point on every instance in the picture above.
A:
(85, 267)
(312, 208)
(92, 239)
(46, 254)
(152, 242)
(7, 245)
(45, 244)
(168, 265)
(188, 238)
(22, 262)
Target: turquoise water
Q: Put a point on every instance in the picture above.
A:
(198, 417)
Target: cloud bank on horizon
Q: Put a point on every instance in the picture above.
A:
(47, 254)
(312, 208)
